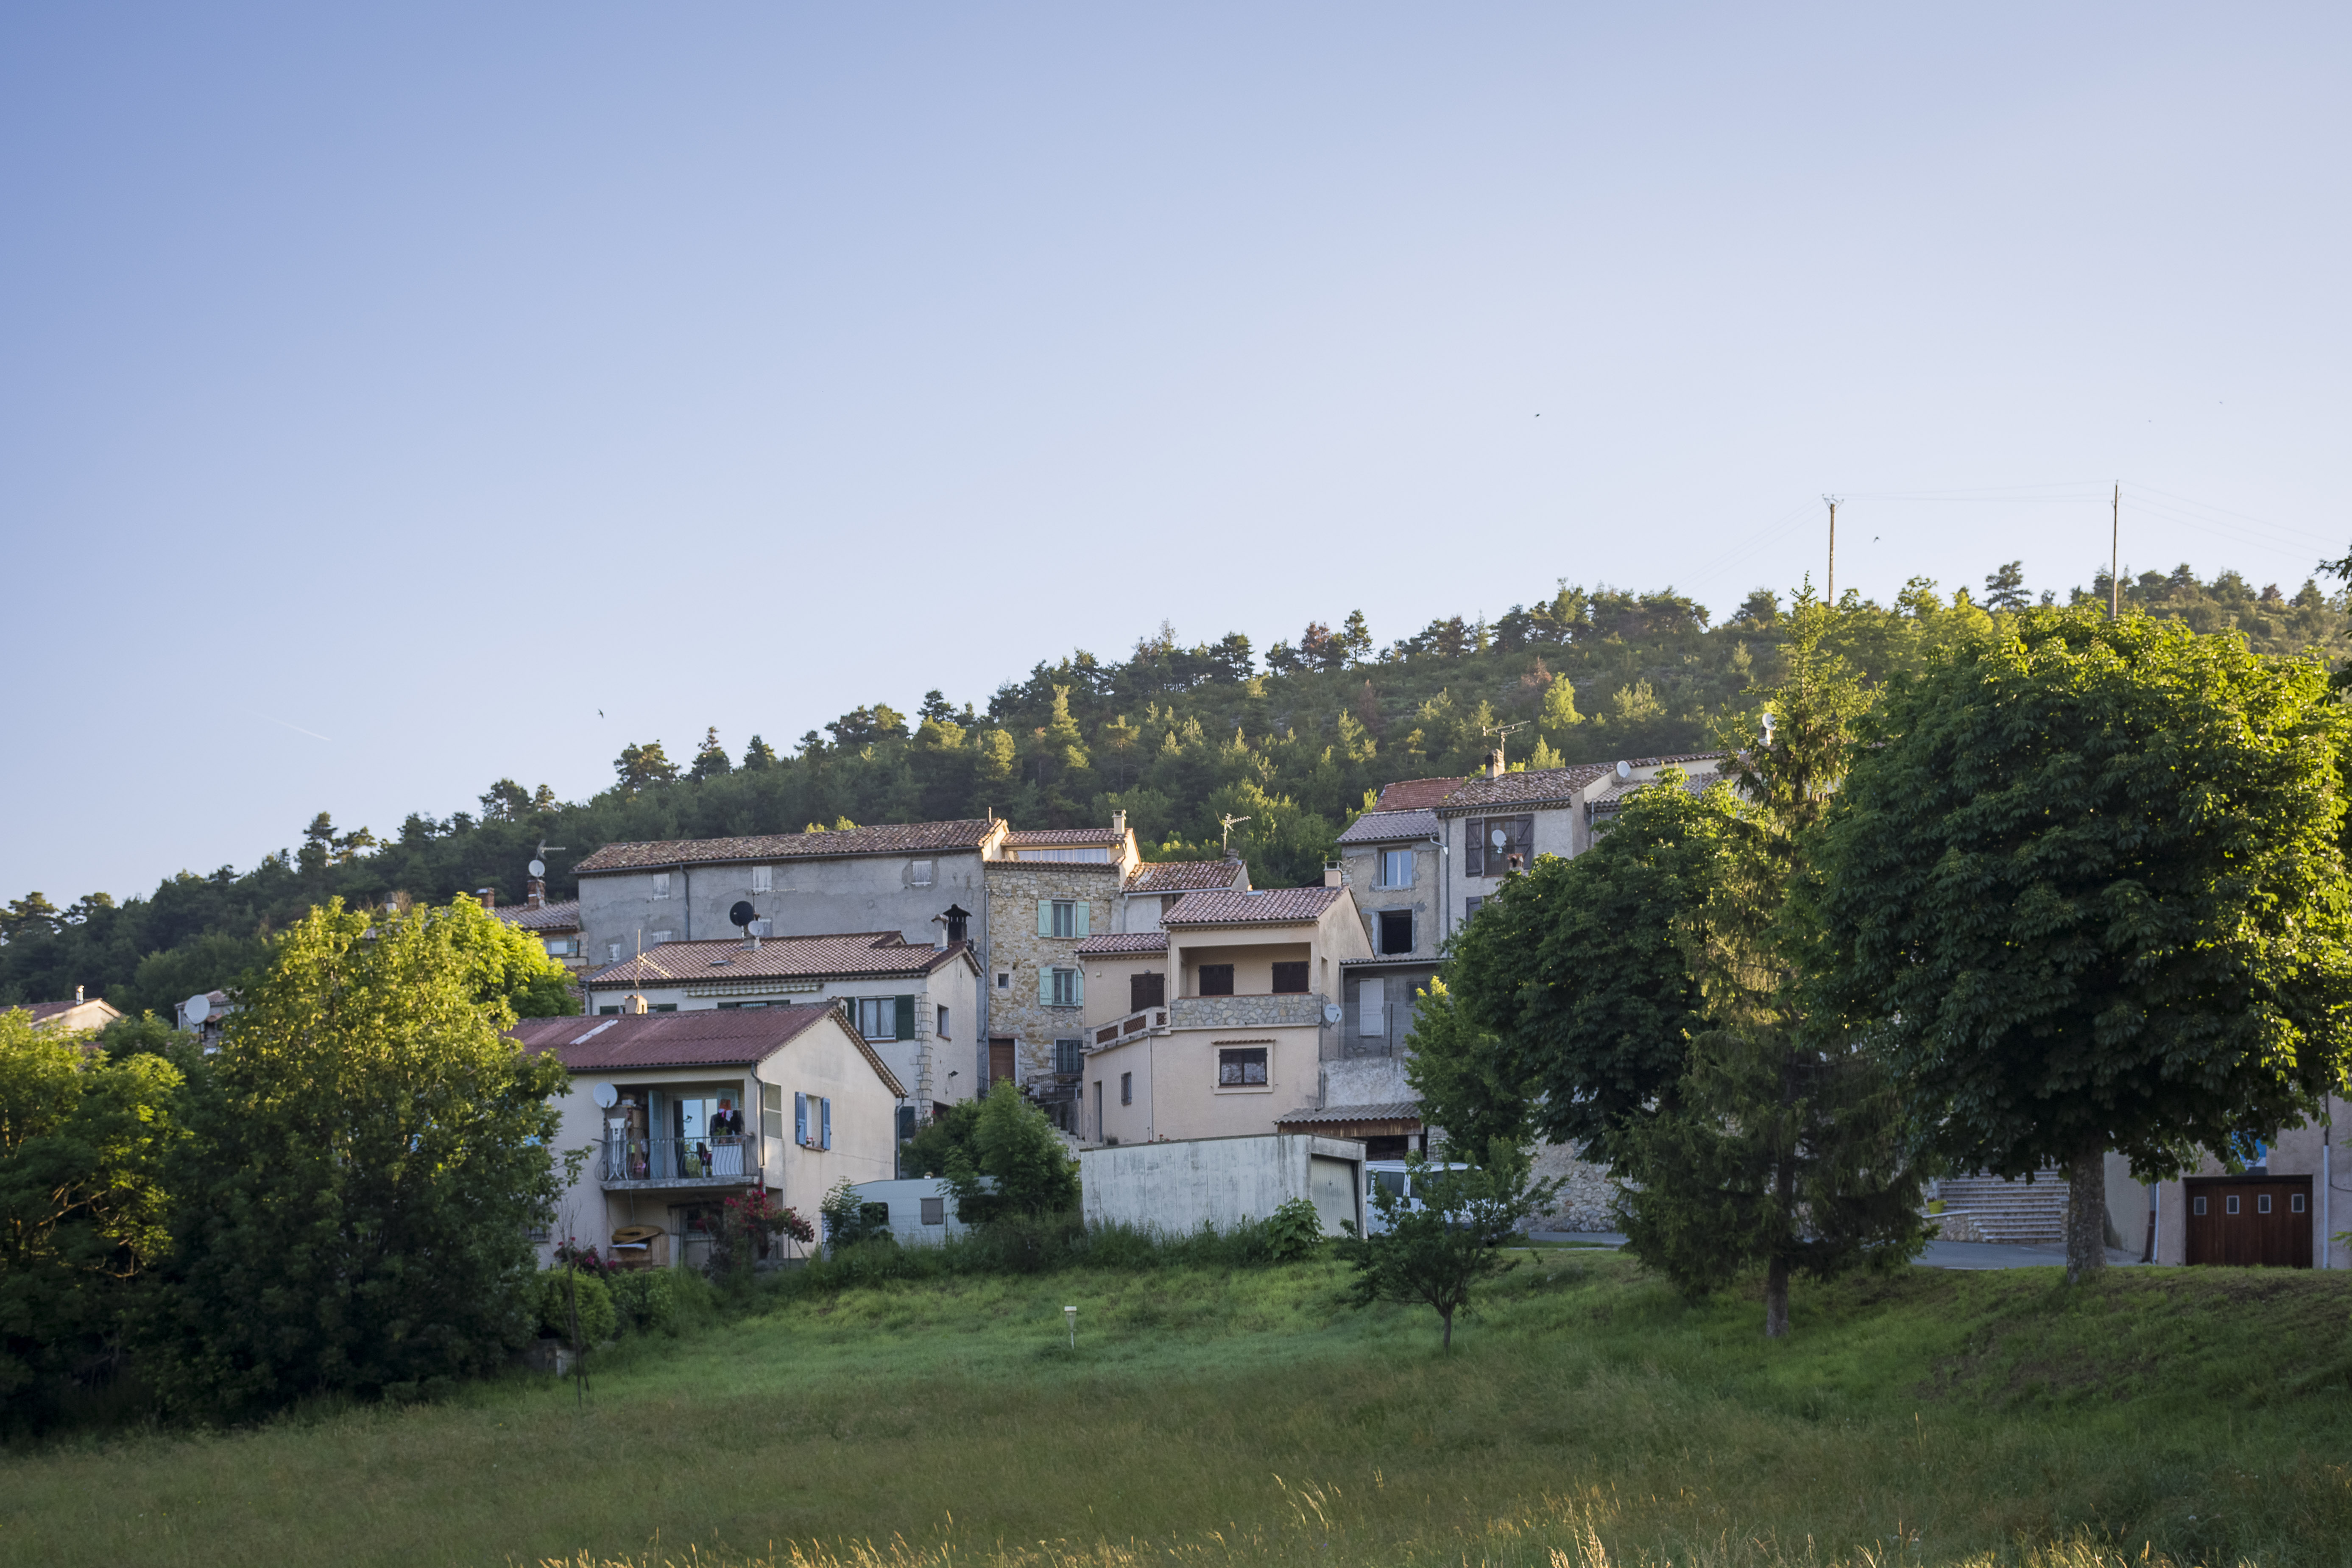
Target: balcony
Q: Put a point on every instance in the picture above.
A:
(1126, 1029)
(1262, 1012)
(678, 1163)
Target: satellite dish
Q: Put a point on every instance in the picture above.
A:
(538, 868)
(1499, 840)
(1331, 1013)
(1624, 769)
(742, 914)
(605, 1095)
(195, 1010)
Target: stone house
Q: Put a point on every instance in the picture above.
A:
(1250, 1018)
(1049, 889)
(683, 1111)
(1156, 887)
(914, 879)
(912, 1004)
(1392, 858)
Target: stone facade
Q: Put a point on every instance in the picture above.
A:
(1584, 1202)
(1244, 1012)
(1020, 962)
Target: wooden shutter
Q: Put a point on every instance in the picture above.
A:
(800, 1119)
(1474, 848)
(1077, 972)
(827, 1115)
(1045, 985)
(905, 1019)
(1083, 906)
(1045, 916)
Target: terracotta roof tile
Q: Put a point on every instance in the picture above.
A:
(860, 954)
(717, 1036)
(885, 839)
(1376, 826)
(1416, 794)
(562, 916)
(1274, 906)
(1040, 836)
(1534, 786)
(1696, 781)
(1115, 942)
(1187, 876)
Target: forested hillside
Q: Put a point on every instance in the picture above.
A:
(1178, 736)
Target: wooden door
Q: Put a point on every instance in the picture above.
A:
(1000, 1060)
(2249, 1221)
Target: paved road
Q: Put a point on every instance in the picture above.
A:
(1939, 1254)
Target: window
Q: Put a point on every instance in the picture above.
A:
(1489, 842)
(2262, 1203)
(2229, 1203)
(608, 1012)
(2200, 1208)
(661, 885)
(918, 873)
(1069, 1057)
(1241, 1067)
(1396, 930)
(942, 1031)
(772, 1111)
(935, 1211)
(1061, 988)
(1470, 907)
(763, 878)
(1396, 868)
(1061, 917)
(812, 1121)
(563, 946)
(1216, 980)
(662, 936)
(1126, 1088)
(1371, 1005)
(878, 1017)
(2295, 1204)
(1290, 979)
(612, 953)
(1146, 991)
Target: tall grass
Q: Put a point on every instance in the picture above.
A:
(1042, 1244)
(1222, 1416)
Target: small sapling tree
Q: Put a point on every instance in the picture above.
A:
(1435, 1248)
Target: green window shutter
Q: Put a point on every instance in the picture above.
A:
(1078, 974)
(1084, 906)
(1045, 916)
(1045, 985)
(906, 1019)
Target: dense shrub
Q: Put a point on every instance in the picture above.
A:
(1038, 1244)
(646, 1299)
(554, 1295)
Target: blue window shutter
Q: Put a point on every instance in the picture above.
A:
(1078, 980)
(827, 1105)
(1045, 916)
(800, 1119)
(1045, 985)
(1084, 906)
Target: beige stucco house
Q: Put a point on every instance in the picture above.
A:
(682, 1110)
(94, 1013)
(1251, 1013)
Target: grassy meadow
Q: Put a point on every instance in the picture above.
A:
(1586, 1417)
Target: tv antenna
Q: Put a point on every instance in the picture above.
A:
(1833, 506)
(1504, 731)
(1230, 823)
(537, 867)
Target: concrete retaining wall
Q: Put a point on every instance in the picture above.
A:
(1177, 1187)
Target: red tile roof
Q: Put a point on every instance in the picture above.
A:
(1187, 876)
(1416, 794)
(1696, 780)
(1531, 786)
(1112, 943)
(1273, 905)
(708, 1038)
(1038, 837)
(858, 956)
(562, 916)
(885, 839)
(1378, 827)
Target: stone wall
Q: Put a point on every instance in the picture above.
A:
(1583, 1203)
(1015, 949)
(1244, 1012)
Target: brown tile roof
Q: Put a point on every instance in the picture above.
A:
(1114, 943)
(1695, 782)
(1274, 906)
(858, 955)
(46, 1012)
(1186, 876)
(1376, 826)
(564, 916)
(1390, 1110)
(717, 1037)
(1416, 794)
(1039, 837)
(1534, 786)
(885, 839)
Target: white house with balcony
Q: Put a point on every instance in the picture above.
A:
(680, 1111)
(1250, 1015)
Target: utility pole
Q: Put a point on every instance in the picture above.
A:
(1832, 593)
(2114, 552)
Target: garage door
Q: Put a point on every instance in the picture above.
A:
(1331, 1182)
(2248, 1221)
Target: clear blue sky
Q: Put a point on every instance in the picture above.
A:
(386, 390)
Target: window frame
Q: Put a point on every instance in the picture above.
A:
(1126, 1088)
(660, 886)
(1200, 972)
(1302, 970)
(1382, 919)
(887, 1008)
(1066, 991)
(1064, 920)
(1234, 1065)
(940, 1028)
(1393, 857)
(920, 873)
(763, 878)
(1069, 1056)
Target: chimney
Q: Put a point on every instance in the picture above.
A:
(632, 1003)
(1118, 823)
(76, 995)
(1331, 877)
(489, 897)
(535, 893)
(1494, 764)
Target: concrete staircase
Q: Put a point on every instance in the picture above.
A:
(2009, 1211)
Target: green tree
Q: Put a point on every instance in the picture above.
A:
(507, 965)
(640, 768)
(759, 754)
(84, 1140)
(368, 1159)
(1015, 1164)
(1437, 1251)
(2086, 884)
(710, 758)
(1468, 1081)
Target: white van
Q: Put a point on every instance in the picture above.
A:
(1396, 1176)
